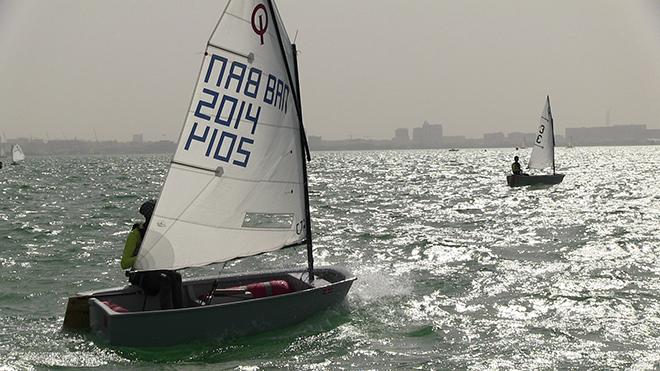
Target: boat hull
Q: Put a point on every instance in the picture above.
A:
(527, 180)
(146, 325)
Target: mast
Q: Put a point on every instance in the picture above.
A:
(552, 126)
(304, 155)
(304, 145)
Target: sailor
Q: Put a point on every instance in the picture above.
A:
(0, 164)
(515, 166)
(165, 283)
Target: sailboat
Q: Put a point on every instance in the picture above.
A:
(236, 187)
(2, 145)
(16, 154)
(543, 154)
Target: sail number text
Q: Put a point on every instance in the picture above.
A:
(228, 110)
(539, 137)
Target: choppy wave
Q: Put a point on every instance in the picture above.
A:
(455, 269)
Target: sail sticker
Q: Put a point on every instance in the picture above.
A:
(262, 25)
(268, 220)
(228, 109)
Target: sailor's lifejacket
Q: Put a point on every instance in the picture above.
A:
(141, 228)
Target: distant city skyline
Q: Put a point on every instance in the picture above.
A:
(139, 137)
(427, 136)
(430, 136)
(109, 70)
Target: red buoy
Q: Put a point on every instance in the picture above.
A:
(268, 288)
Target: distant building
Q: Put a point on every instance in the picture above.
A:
(138, 138)
(494, 136)
(494, 139)
(454, 140)
(315, 142)
(401, 136)
(653, 134)
(617, 134)
(428, 136)
(518, 139)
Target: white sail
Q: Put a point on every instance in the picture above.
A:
(543, 149)
(17, 154)
(235, 186)
(2, 150)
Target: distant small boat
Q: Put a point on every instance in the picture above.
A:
(543, 154)
(17, 154)
(453, 150)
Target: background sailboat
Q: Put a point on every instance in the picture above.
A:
(236, 187)
(17, 154)
(2, 145)
(543, 154)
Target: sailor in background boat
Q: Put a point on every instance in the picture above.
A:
(166, 284)
(516, 169)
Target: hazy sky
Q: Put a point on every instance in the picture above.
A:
(69, 67)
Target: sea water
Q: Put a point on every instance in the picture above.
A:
(455, 269)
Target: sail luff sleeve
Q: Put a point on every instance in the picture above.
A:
(552, 133)
(308, 217)
(292, 72)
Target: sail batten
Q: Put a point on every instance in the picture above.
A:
(236, 185)
(193, 167)
(249, 57)
(221, 228)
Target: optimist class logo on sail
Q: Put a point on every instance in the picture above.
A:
(228, 111)
(261, 27)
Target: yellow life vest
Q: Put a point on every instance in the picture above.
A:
(131, 248)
